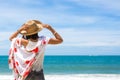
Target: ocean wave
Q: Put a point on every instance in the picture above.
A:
(73, 77)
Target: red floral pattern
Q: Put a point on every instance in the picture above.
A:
(17, 63)
(15, 49)
(35, 50)
(26, 73)
(18, 42)
(27, 62)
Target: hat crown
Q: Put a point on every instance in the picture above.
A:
(34, 26)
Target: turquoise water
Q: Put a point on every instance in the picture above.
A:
(74, 65)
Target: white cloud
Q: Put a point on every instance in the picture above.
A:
(56, 14)
(99, 3)
(75, 33)
(4, 40)
(4, 36)
(31, 2)
(76, 37)
(101, 6)
(54, 18)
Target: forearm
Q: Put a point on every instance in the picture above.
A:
(15, 34)
(57, 36)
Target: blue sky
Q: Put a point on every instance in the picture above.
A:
(88, 27)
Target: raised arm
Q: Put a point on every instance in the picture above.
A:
(15, 34)
(58, 39)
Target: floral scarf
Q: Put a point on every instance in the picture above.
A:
(20, 60)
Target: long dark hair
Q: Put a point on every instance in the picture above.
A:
(34, 36)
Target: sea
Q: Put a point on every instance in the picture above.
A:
(75, 65)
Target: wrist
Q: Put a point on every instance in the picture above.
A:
(55, 33)
(51, 29)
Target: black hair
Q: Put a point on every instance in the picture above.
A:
(34, 36)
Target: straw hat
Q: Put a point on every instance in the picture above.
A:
(34, 26)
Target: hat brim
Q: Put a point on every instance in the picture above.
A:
(27, 34)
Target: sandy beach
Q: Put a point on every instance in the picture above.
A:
(74, 77)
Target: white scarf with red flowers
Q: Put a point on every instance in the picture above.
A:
(21, 60)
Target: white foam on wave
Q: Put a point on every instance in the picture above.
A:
(73, 77)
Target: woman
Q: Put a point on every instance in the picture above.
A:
(27, 53)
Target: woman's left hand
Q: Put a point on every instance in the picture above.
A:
(46, 26)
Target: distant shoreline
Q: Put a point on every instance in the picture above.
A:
(74, 55)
